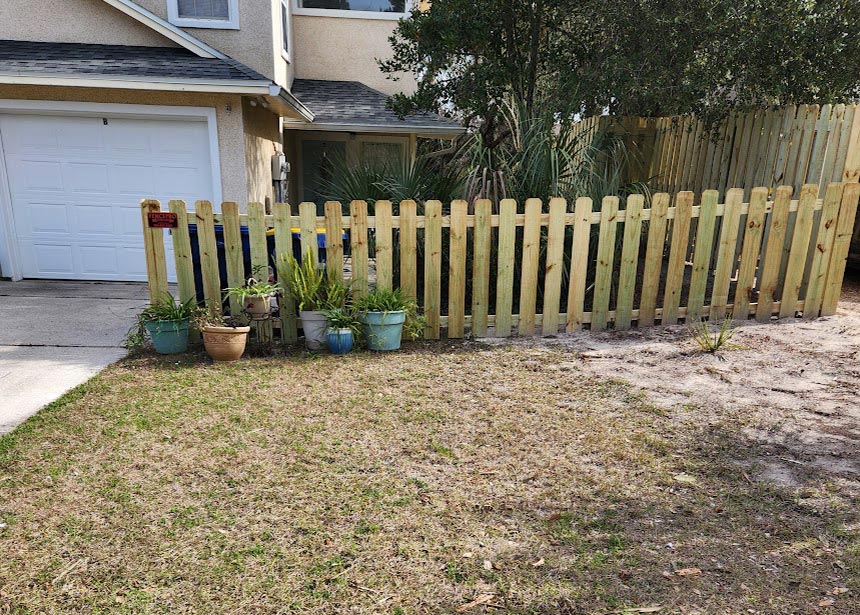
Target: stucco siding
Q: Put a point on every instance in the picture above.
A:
(253, 44)
(229, 117)
(343, 49)
(262, 139)
(74, 21)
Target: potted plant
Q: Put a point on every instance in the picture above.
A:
(314, 292)
(255, 297)
(384, 313)
(224, 337)
(166, 322)
(344, 327)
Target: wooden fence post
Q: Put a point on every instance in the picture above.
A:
(629, 261)
(283, 248)
(482, 237)
(208, 256)
(578, 264)
(384, 245)
(233, 251)
(408, 249)
(726, 250)
(553, 267)
(653, 259)
(505, 274)
(308, 230)
(750, 254)
(153, 247)
(841, 245)
(529, 266)
(823, 249)
(677, 257)
(702, 255)
(605, 262)
(770, 264)
(358, 246)
(182, 253)
(432, 268)
(334, 240)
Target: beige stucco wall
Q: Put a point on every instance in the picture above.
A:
(262, 139)
(345, 49)
(256, 43)
(229, 117)
(73, 21)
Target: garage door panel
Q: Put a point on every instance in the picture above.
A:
(77, 182)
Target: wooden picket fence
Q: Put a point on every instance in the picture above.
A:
(789, 145)
(669, 261)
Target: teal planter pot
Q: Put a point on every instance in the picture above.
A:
(340, 341)
(168, 336)
(383, 329)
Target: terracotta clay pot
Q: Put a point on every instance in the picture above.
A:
(225, 343)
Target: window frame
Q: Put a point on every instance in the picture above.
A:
(231, 23)
(297, 10)
(286, 9)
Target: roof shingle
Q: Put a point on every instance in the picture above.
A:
(35, 58)
(355, 104)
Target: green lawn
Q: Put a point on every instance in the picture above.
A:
(405, 483)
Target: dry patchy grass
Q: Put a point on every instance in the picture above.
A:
(402, 483)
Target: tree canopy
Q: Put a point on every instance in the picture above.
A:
(632, 57)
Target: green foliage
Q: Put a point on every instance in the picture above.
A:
(418, 179)
(394, 300)
(630, 57)
(167, 308)
(312, 287)
(712, 341)
(252, 288)
(344, 318)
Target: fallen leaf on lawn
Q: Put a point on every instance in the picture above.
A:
(826, 602)
(839, 590)
(688, 572)
(538, 563)
(488, 565)
(641, 609)
(685, 478)
(481, 599)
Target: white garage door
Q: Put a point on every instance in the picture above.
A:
(76, 184)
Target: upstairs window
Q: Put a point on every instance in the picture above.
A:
(221, 14)
(285, 30)
(372, 9)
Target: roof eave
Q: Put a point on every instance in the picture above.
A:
(419, 130)
(122, 82)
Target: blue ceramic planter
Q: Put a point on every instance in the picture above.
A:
(340, 341)
(168, 336)
(383, 329)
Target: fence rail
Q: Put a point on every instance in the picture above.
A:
(545, 267)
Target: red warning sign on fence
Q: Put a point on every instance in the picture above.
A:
(162, 219)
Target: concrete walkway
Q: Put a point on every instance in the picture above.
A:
(55, 335)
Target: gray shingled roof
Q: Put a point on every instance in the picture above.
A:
(355, 104)
(35, 58)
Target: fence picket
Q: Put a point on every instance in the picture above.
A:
(841, 244)
(702, 255)
(282, 219)
(726, 262)
(308, 230)
(408, 249)
(822, 250)
(750, 251)
(384, 245)
(233, 258)
(505, 273)
(605, 262)
(482, 237)
(208, 255)
(260, 258)
(182, 252)
(799, 249)
(554, 263)
(529, 267)
(358, 247)
(334, 239)
(770, 265)
(579, 264)
(677, 257)
(432, 268)
(457, 270)
(153, 247)
(653, 258)
(629, 261)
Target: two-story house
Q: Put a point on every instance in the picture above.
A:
(105, 102)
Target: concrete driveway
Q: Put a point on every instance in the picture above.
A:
(55, 335)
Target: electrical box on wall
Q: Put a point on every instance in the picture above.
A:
(280, 167)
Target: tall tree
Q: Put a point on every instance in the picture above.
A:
(637, 57)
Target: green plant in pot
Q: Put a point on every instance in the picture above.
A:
(166, 322)
(314, 292)
(386, 315)
(224, 337)
(255, 297)
(344, 329)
